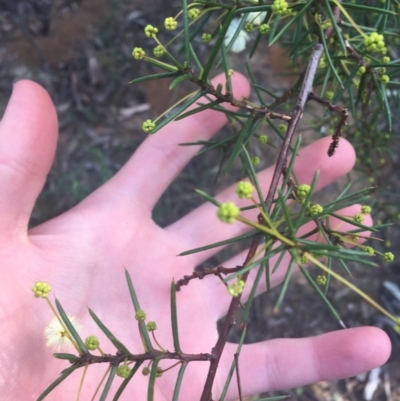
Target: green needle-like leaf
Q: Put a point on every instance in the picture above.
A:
(152, 379)
(156, 76)
(203, 107)
(174, 319)
(285, 284)
(117, 344)
(178, 80)
(322, 295)
(253, 177)
(218, 43)
(178, 110)
(253, 292)
(178, 383)
(368, 9)
(328, 57)
(65, 373)
(71, 328)
(338, 35)
(186, 35)
(233, 366)
(286, 213)
(220, 243)
(208, 197)
(69, 357)
(135, 301)
(244, 133)
(107, 387)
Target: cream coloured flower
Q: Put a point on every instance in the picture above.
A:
(240, 41)
(256, 18)
(56, 334)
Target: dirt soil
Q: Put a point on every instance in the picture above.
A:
(85, 62)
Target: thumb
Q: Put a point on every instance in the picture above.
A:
(28, 137)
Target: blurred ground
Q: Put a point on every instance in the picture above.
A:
(81, 52)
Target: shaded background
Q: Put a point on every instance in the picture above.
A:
(81, 52)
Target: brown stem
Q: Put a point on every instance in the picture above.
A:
(118, 358)
(230, 319)
(206, 272)
(343, 121)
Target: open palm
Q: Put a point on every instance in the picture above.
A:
(83, 254)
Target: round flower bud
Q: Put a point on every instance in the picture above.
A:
(41, 289)
(150, 31)
(193, 13)
(170, 24)
(231, 72)
(123, 371)
(244, 189)
(248, 27)
(282, 128)
(138, 53)
(329, 95)
(304, 259)
(280, 7)
(148, 126)
(236, 288)
(384, 79)
(365, 209)
(315, 209)
(263, 139)
(326, 24)
(140, 315)
(151, 326)
(206, 37)
(145, 371)
(302, 192)
(158, 51)
(374, 42)
(227, 212)
(264, 29)
(255, 160)
(322, 63)
(92, 343)
(385, 60)
(388, 257)
(361, 71)
(369, 250)
(358, 218)
(321, 279)
(159, 372)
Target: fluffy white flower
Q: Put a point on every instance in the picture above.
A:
(56, 335)
(240, 41)
(256, 18)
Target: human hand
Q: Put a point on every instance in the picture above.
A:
(82, 255)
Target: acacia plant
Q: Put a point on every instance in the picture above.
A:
(346, 56)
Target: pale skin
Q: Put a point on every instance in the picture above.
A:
(82, 255)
